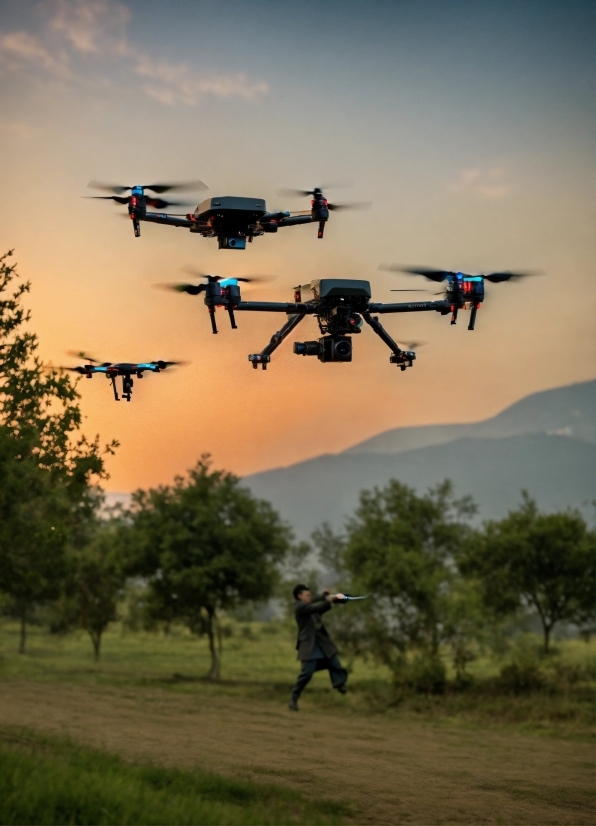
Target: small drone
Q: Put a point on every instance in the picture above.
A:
(124, 369)
(340, 307)
(230, 219)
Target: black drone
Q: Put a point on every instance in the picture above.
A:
(230, 219)
(340, 307)
(124, 369)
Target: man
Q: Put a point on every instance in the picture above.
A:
(316, 649)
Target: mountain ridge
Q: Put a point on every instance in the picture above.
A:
(568, 410)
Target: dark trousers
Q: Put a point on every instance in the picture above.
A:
(337, 673)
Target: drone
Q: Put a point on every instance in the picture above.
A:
(341, 306)
(230, 219)
(112, 371)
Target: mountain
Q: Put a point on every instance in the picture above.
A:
(567, 411)
(545, 443)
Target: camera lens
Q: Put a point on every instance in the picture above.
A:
(343, 348)
(307, 348)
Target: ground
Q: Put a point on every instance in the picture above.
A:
(388, 767)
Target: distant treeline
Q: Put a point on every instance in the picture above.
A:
(205, 545)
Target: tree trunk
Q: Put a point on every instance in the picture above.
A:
(547, 630)
(23, 638)
(215, 654)
(96, 640)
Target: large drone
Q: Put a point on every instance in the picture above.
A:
(230, 219)
(340, 307)
(125, 369)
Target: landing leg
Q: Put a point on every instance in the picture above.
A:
(403, 358)
(113, 380)
(264, 357)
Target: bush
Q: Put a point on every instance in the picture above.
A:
(426, 674)
(523, 673)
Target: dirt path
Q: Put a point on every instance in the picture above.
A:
(391, 771)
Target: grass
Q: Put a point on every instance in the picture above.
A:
(50, 780)
(259, 662)
(190, 751)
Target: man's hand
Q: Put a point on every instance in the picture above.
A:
(334, 597)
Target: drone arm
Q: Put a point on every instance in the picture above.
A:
(296, 219)
(275, 307)
(411, 307)
(403, 358)
(264, 357)
(164, 218)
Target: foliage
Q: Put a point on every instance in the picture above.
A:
(546, 562)
(206, 545)
(46, 468)
(93, 583)
(51, 781)
(401, 547)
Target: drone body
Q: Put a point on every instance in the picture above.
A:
(124, 369)
(233, 220)
(341, 306)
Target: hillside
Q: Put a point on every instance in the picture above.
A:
(569, 411)
(558, 471)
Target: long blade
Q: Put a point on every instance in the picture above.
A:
(116, 188)
(350, 597)
(79, 354)
(427, 272)
(498, 277)
(189, 186)
(120, 199)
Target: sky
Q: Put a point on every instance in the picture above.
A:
(468, 126)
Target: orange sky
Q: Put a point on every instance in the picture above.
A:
(457, 198)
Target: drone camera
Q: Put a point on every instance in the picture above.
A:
(327, 348)
(232, 242)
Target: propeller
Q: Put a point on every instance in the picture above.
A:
(440, 275)
(163, 364)
(190, 186)
(156, 203)
(249, 279)
(412, 345)
(79, 354)
(299, 193)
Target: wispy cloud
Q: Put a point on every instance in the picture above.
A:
(97, 29)
(489, 184)
(23, 51)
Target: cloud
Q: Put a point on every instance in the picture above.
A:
(90, 26)
(488, 184)
(22, 51)
(97, 29)
(182, 84)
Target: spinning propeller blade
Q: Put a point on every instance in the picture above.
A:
(441, 275)
(248, 279)
(79, 354)
(117, 189)
(359, 205)
(412, 345)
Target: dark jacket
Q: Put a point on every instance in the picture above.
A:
(311, 628)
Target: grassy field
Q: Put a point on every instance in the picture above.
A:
(50, 780)
(371, 757)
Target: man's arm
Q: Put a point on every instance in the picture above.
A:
(319, 605)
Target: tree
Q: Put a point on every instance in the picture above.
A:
(206, 545)
(95, 579)
(402, 547)
(47, 468)
(533, 560)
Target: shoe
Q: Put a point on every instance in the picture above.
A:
(342, 689)
(293, 704)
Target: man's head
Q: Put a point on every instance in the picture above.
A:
(302, 593)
